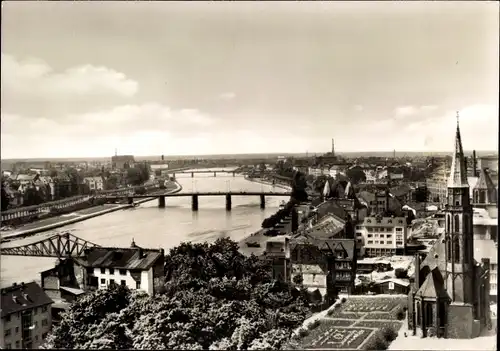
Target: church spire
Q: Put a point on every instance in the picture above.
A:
(458, 174)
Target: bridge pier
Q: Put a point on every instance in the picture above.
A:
(194, 203)
(192, 174)
(262, 201)
(161, 202)
(215, 174)
(228, 202)
(130, 200)
(234, 174)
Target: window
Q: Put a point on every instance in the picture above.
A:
(389, 236)
(17, 344)
(35, 310)
(389, 242)
(123, 283)
(137, 285)
(448, 249)
(382, 242)
(456, 249)
(111, 282)
(448, 224)
(103, 281)
(36, 324)
(103, 270)
(8, 346)
(7, 319)
(44, 335)
(359, 234)
(45, 322)
(457, 224)
(389, 221)
(399, 229)
(360, 241)
(376, 241)
(370, 235)
(376, 235)
(36, 337)
(111, 271)
(493, 286)
(123, 272)
(399, 243)
(358, 227)
(17, 330)
(7, 332)
(400, 221)
(44, 309)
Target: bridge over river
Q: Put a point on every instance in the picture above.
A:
(195, 195)
(155, 227)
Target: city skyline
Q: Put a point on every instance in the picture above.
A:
(81, 79)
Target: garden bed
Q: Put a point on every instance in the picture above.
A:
(374, 304)
(339, 322)
(379, 325)
(330, 336)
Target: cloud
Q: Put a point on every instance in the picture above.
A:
(358, 108)
(478, 126)
(31, 86)
(137, 127)
(406, 111)
(33, 76)
(227, 96)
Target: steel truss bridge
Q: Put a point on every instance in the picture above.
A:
(57, 246)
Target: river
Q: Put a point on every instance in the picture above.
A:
(154, 227)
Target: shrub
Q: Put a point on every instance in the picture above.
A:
(314, 324)
(400, 315)
(401, 273)
(303, 332)
(343, 300)
(376, 343)
(389, 334)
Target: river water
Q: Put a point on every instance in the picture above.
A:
(154, 227)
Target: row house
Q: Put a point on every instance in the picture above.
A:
(331, 171)
(25, 316)
(381, 236)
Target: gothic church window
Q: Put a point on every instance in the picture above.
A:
(448, 223)
(457, 224)
(456, 249)
(448, 249)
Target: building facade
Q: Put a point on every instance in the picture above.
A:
(381, 236)
(25, 316)
(94, 183)
(135, 267)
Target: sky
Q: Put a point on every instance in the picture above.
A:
(81, 79)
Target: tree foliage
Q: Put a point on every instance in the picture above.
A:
(138, 174)
(356, 175)
(5, 199)
(213, 298)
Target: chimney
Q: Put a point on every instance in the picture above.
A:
(417, 270)
(474, 163)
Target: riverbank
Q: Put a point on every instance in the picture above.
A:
(265, 182)
(258, 236)
(77, 216)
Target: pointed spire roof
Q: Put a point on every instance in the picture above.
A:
(484, 182)
(433, 286)
(458, 173)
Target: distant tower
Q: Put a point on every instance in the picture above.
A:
(116, 151)
(459, 251)
(333, 147)
(394, 154)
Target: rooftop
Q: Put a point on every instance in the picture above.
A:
(23, 296)
(485, 248)
(121, 258)
(384, 221)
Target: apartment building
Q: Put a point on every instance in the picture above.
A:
(135, 267)
(379, 236)
(94, 183)
(25, 316)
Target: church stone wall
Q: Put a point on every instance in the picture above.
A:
(460, 321)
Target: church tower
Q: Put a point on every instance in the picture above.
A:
(459, 234)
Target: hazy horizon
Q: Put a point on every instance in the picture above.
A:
(399, 154)
(179, 78)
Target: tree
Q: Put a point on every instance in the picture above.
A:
(5, 198)
(214, 298)
(356, 175)
(401, 273)
(32, 197)
(421, 194)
